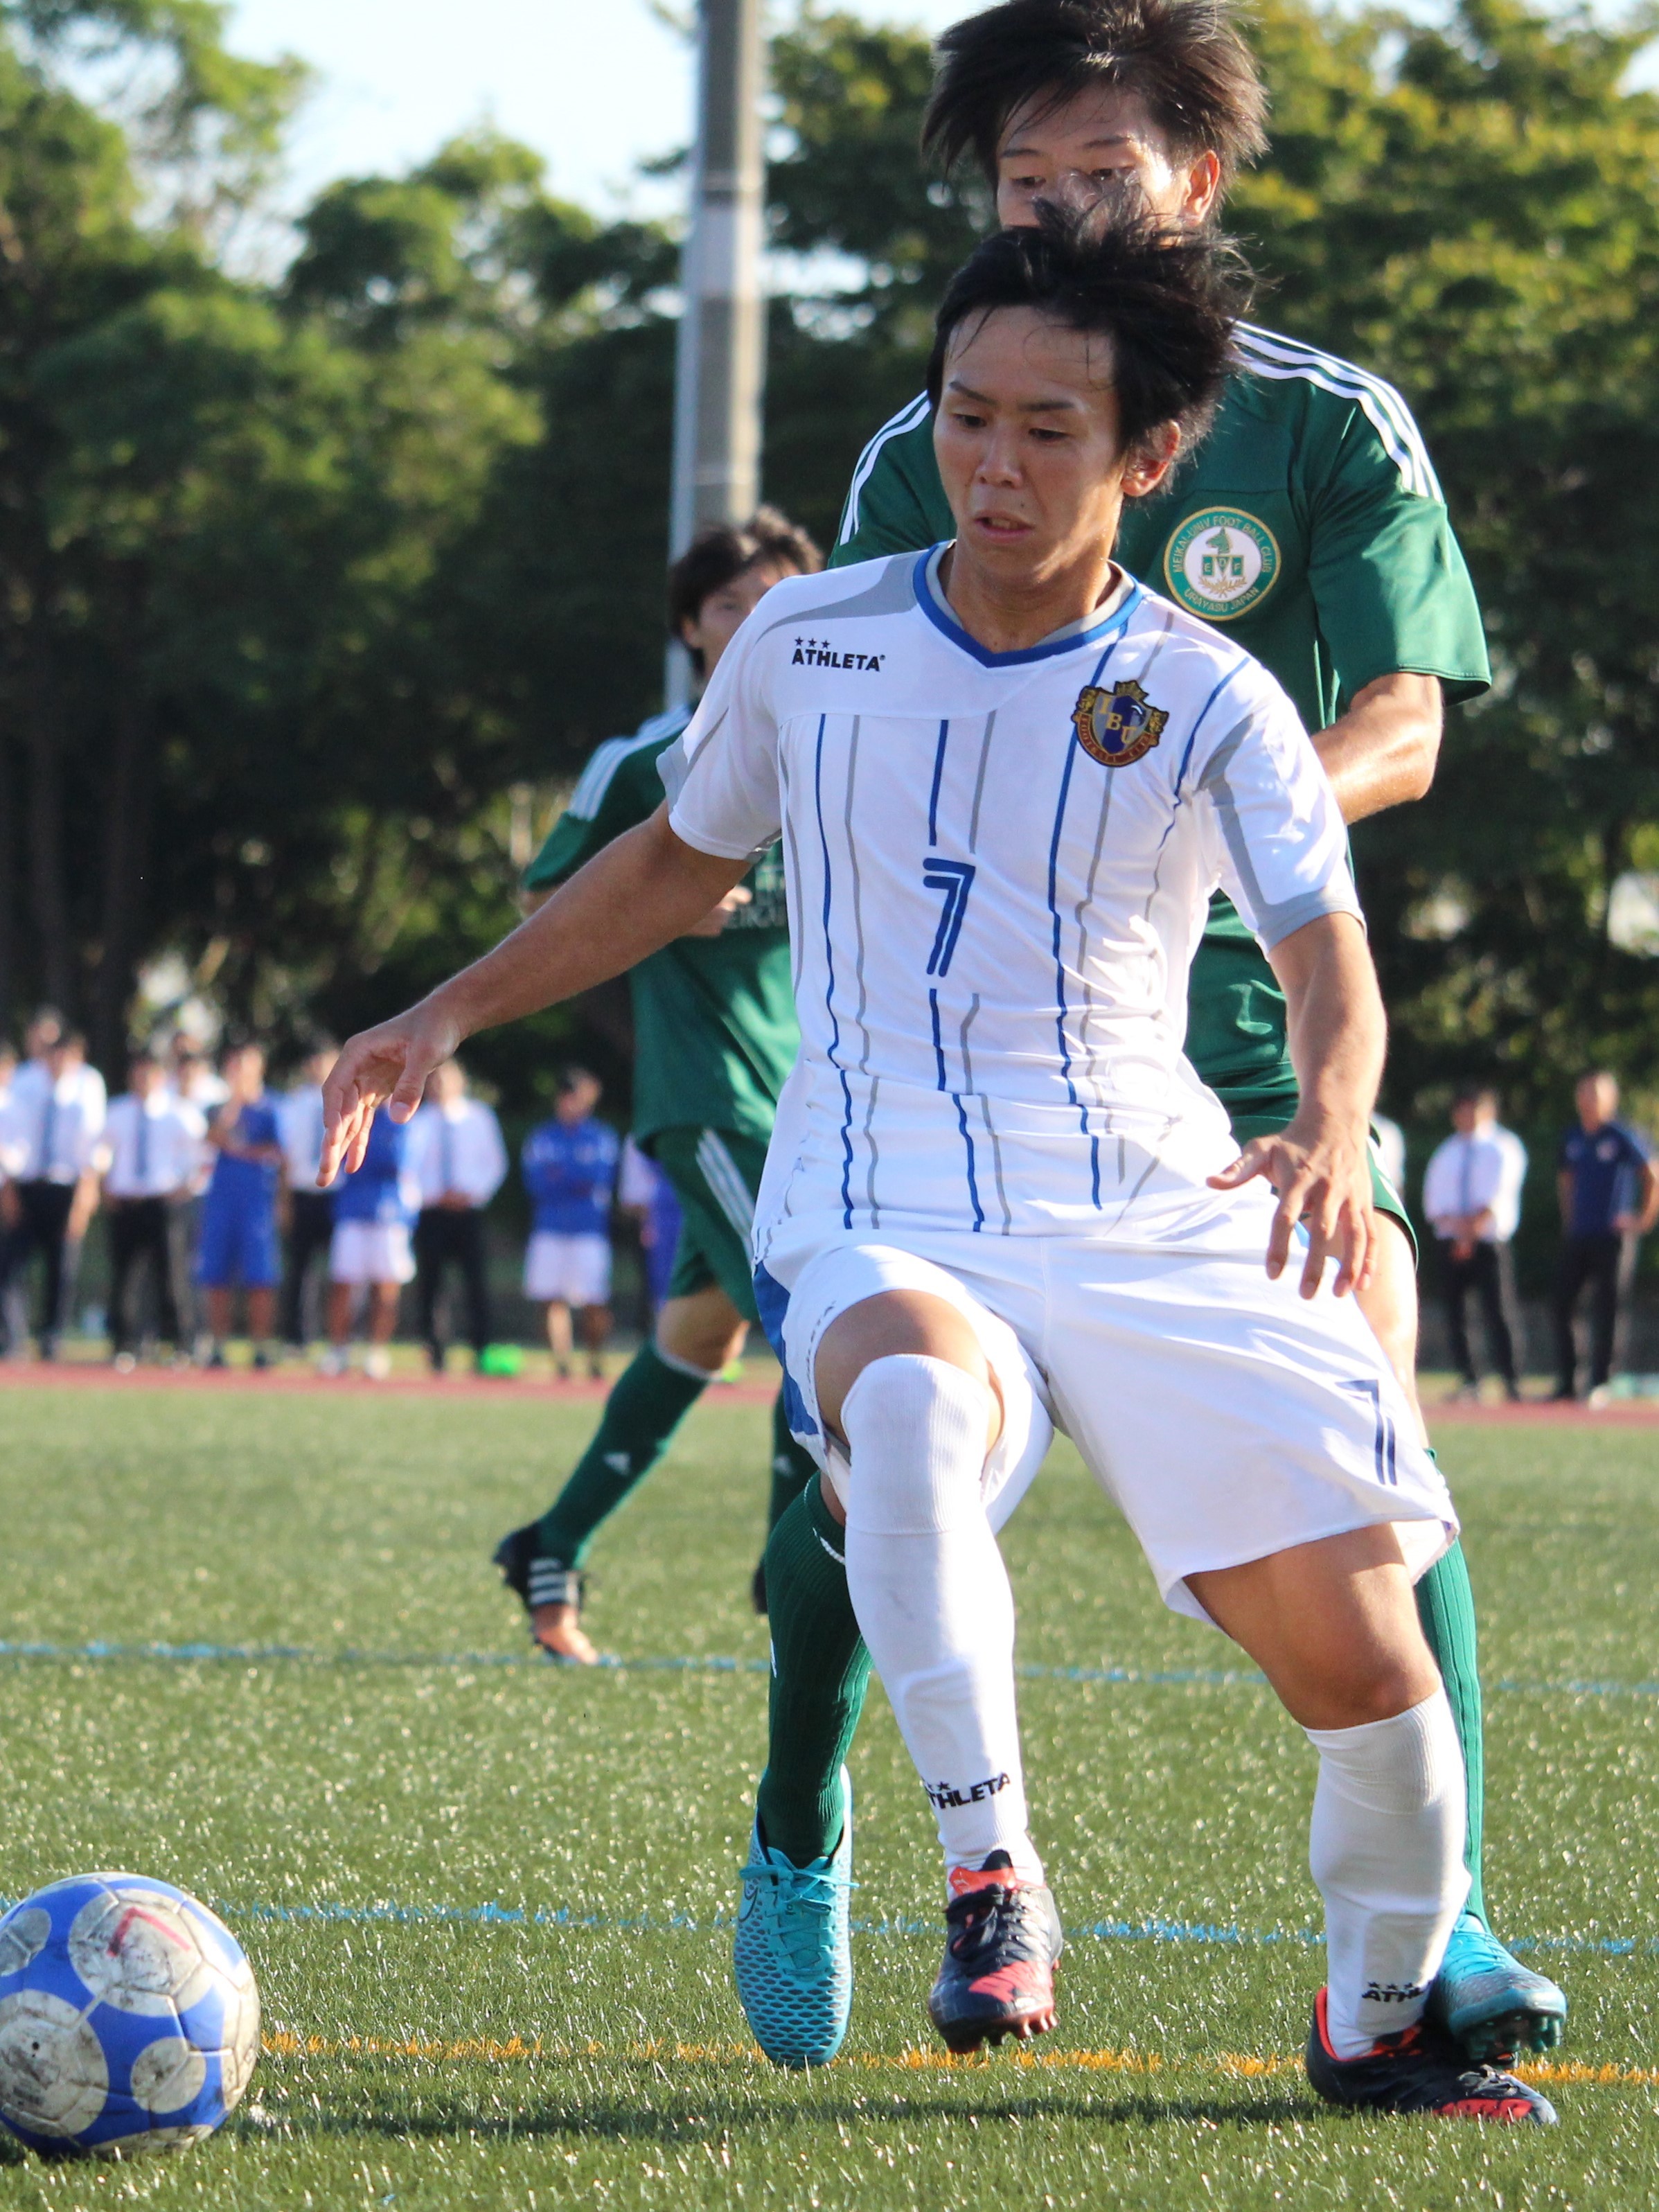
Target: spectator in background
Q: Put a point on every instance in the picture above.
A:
(56, 1118)
(569, 1166)
(310, 1210)
(237, 1246)
(1609, 1196)
(460, 1163)
(645, 1193)
(1472, 1195)
(152, 1144)
(370, 1251)
(195, 1080)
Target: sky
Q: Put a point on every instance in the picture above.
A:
(594, 85)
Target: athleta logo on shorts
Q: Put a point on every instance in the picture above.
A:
(1118, 726)
(817, 653)
(1394, 1992)
(942, 1794)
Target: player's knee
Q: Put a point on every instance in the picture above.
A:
(915, 1428)
(703, 1329)
(1369, 1687)
(890, 1324)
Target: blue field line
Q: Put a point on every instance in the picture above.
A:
(1227, 1934)
(1214, 1678)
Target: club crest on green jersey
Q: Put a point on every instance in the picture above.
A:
(1221, 563)
(1116, 726)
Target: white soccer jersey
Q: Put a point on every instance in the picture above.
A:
(999, 868)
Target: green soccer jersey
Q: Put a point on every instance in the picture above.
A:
(715, 1027)
(1310, 526)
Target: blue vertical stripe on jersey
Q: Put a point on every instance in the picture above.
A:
(973, 1181)
(962, 1116)
(939, 770)
(830, 990)
(1060, 966)
(1191, 735)
(1054, 909)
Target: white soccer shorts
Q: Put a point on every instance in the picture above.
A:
(370, 1252)
(1227, 1417)
(575, 1269)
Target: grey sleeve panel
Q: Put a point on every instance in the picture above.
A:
(893, 593)
(673, 768)
(1272, 921)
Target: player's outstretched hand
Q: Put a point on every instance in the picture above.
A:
(387, 1065)
(1320, 1171)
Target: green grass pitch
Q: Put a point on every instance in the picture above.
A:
(350, 1804)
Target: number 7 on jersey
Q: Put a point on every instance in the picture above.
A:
(956, 879)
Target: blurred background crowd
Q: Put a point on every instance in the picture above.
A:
(184, 1211)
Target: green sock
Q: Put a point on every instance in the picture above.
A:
(649, 1401)
(1445, 1606)
(793, 1467)
(820, 1671)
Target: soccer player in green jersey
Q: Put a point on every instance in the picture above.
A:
(1311, 527)
(714, 1036)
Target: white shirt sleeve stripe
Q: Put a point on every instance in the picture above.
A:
(906, 419)
(1284, 360)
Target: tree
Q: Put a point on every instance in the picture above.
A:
(298, 581)
(1471, 208)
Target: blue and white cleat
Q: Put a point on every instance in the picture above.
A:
(794, 1952)
(1494, 2008)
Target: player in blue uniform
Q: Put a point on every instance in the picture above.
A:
(238, 1245)
(570, 1164)
(374, 1209)
(1609, 1192)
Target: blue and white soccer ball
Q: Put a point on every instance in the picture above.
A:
(129, 2017)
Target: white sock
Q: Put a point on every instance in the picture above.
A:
(932, 1597)
(1386, 1848)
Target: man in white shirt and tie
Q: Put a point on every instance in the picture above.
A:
(310, 1212)
(1472, 1195)
(56, 1118)
(460, 1160)
(151, 1147)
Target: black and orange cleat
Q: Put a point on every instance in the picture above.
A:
(1418, 2070)
(998, 1978)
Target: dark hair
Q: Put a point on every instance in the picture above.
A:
(1167, 299)
(718, 557)
(1185, 60)
(1471, 1094)
(572, 1078)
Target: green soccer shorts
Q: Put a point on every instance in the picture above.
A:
(715, 1174)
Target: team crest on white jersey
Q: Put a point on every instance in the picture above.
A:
(1118, 726)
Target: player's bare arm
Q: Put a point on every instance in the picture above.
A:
(1384, 751)
(1320, 1165)
(712, 925)
(645, 888)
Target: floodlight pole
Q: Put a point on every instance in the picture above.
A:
(720, 360)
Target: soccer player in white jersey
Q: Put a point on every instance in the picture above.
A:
(1007, 780)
